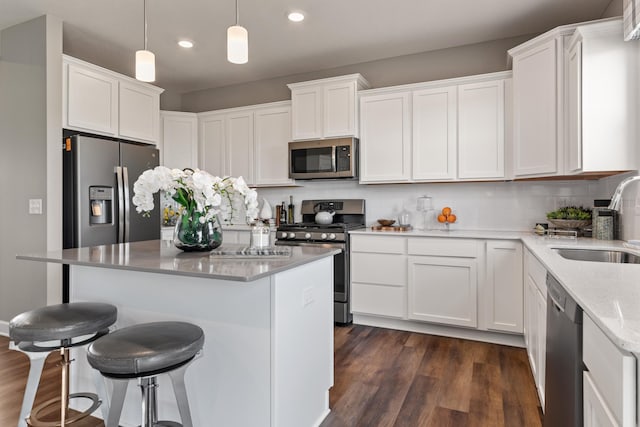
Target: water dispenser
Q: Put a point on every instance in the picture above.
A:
(100, 205)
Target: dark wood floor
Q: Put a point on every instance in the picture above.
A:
(382, 378)
(392, 378)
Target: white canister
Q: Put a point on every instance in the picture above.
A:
(260, 236)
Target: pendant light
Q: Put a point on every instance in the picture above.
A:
(145, 59)
(237, 42)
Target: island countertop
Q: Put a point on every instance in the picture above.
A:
(158, 256)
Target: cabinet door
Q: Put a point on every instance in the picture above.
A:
(531, 332)
(596, 412)
(541, 319)
(273, 133)
(385, 139)
(239, 145)
(339, 110)
(434, 134)
(481, 130)
(535, 111)
(139, 112)
(443, 290)
(573, 161)
(306, 108)
(179, 138)
(91, 101)
(504, 290)
(212, 144)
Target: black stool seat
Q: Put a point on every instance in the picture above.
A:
(62, 321)
(145, 349)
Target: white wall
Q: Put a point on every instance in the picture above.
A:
(486, 206)
(29, 124)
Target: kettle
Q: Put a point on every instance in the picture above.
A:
(325, 217)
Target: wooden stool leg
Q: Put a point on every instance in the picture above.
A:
(64, 403)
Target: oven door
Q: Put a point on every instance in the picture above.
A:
(340, 266)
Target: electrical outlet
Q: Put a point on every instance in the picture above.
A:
(307, 297)
(35, 206)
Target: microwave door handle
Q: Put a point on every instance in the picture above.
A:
(120, 191)
(334, 161)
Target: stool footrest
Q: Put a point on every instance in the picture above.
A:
(35, 421)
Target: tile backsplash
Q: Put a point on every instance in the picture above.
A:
(478, 205)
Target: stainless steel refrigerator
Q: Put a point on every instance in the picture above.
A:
(98, 177)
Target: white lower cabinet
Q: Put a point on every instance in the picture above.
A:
(504, 290)
(535, 319)
(609, 382)
(443, 290)
(379, 276)
(448, 282)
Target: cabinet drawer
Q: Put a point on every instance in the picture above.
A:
(378, 244)
(536, 270)
(378, 300)
(613, 372)
(382, 269)
(443, 247)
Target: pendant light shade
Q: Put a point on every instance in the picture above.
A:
(145, 66)
(237, 45)
(145, 59)
(237, 42)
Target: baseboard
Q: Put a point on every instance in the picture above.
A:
(4, 328)
(513, 340)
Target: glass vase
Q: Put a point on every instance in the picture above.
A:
(191, 235)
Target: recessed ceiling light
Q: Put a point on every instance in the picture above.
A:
(296, 17)
(186, 44)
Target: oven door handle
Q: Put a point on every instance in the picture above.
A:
(312, 244)
(334, 161)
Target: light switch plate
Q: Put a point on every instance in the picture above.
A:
(35, 206)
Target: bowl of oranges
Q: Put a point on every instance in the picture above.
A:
(446, 217)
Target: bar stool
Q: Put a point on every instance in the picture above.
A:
(34, 333)
(144, 351)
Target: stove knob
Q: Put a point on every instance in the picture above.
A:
(323, 236)
(307, 235)
(283, 235)
(292, 235)
(332, 236)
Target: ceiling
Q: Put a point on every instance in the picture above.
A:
(335, 32)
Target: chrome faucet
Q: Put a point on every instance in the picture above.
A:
(616, 200)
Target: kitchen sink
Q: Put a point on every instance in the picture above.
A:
(599, 255)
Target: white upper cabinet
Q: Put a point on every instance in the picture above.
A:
(272, 128)
(481, 126)
(325, 108)
(100, 101)
(434, 133)
(601, 117)
(139, 112)
(574, 107)
(438, 131)
(251, 142)
(179, 139)
(386, 137)
(211, 142)
(535, 110)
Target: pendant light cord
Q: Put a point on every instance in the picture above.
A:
(237, 13)
(145, 24)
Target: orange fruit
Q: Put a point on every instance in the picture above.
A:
(446, 211)
(451, 218)
(442, 218)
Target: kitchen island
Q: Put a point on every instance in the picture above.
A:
(268, 323)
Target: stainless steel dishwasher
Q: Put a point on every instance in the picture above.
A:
(564, 366)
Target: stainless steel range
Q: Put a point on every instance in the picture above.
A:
(347, 214)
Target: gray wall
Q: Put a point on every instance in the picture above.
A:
(614, 9)
(25, 132)
(439, 64)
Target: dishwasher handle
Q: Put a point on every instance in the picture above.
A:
(560, 298)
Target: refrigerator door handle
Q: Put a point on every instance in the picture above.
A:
(121, 207)
(127, 207)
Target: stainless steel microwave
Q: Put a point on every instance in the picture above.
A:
(324, 159)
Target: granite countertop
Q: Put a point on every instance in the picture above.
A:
(158, 256)
(608, 293)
